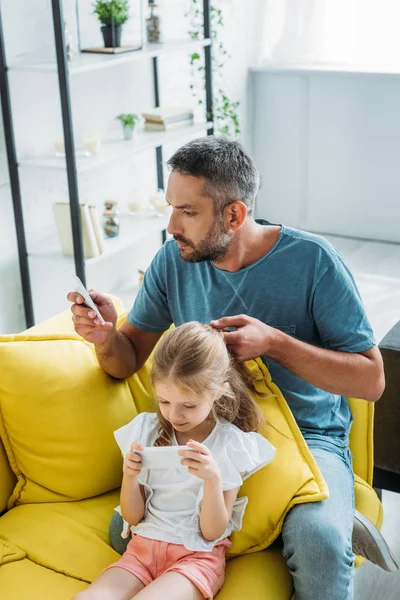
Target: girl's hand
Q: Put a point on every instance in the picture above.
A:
(200, 461)
(133, 460)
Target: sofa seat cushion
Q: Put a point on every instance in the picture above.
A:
(68, 537)
(260, 576)
(67, 546)
(25, 580)
(9, 553)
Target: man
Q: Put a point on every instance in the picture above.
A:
(284, 295)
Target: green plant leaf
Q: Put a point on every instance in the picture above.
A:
(111, 12)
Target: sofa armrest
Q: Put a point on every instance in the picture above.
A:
(387, 416)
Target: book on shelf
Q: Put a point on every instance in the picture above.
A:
(165, 114)
(98, 231)
(166, 126)
(91, 229)
(171, 120)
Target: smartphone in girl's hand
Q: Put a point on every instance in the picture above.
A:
(162, 457)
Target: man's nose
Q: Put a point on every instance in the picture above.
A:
(173, 225)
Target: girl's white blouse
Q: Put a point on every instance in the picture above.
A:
(173, 496)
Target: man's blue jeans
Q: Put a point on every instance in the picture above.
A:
(317, 536)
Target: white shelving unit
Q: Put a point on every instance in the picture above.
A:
(85, 62)
(139, 235)
(115, 150)
(133, 229)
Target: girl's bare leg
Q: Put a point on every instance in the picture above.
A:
(114, 584)
(170, 586)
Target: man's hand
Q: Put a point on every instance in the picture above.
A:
(87, 323)
(251, 339)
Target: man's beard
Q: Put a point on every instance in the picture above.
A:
(214, 247)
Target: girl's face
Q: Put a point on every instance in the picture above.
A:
(183, 411)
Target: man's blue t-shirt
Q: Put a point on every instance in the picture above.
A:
(301, 286)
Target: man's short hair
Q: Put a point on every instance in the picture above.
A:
(228, 171)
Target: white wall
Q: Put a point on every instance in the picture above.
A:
(326, 31)
(327, 146)
(96, 98)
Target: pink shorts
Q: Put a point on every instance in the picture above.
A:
(147, 559)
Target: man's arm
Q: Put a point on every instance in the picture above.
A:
(126, 351)
(120, 352)
(351, 374)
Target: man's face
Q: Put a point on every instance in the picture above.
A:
(199, 232)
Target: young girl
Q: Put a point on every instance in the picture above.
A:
(181, 518)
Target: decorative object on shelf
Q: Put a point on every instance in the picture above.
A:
(110, 219)
(68, 42)
(225, 110)
(128, 121)
(164, 118)
(91, 231)
(134, 206)
(153, 25)
(94, 215)
(119, 19)
(141, 277)
(159, 202)
(91, 144)
(112, 15)
(59, 147)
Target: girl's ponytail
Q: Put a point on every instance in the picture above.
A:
(237, 405)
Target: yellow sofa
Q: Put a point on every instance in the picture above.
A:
(59, 481)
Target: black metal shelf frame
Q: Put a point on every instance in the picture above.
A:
(66, 109)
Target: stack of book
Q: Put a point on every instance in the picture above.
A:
(92, 234)
(165, 118)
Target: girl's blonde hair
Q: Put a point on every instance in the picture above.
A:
(195, 357)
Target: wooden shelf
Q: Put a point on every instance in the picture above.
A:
(83, 62)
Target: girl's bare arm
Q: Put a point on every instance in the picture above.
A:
(132, 500)
(216, 509)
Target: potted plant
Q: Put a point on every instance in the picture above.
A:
(112, 15)
(128, 121)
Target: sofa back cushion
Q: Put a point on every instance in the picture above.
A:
(58, 412)
(7, 479)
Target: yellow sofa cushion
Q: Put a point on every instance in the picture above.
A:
(26, 580)
(58, 411)
(68, 537)
(362, 438)
(9, 553)
(7, 479)
(71, 539)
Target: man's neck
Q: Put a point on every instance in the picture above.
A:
(251, 242)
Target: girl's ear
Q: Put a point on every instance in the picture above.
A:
(225, 388)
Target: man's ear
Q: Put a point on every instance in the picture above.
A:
(235, 215)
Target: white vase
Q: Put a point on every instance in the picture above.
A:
(128, 132)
